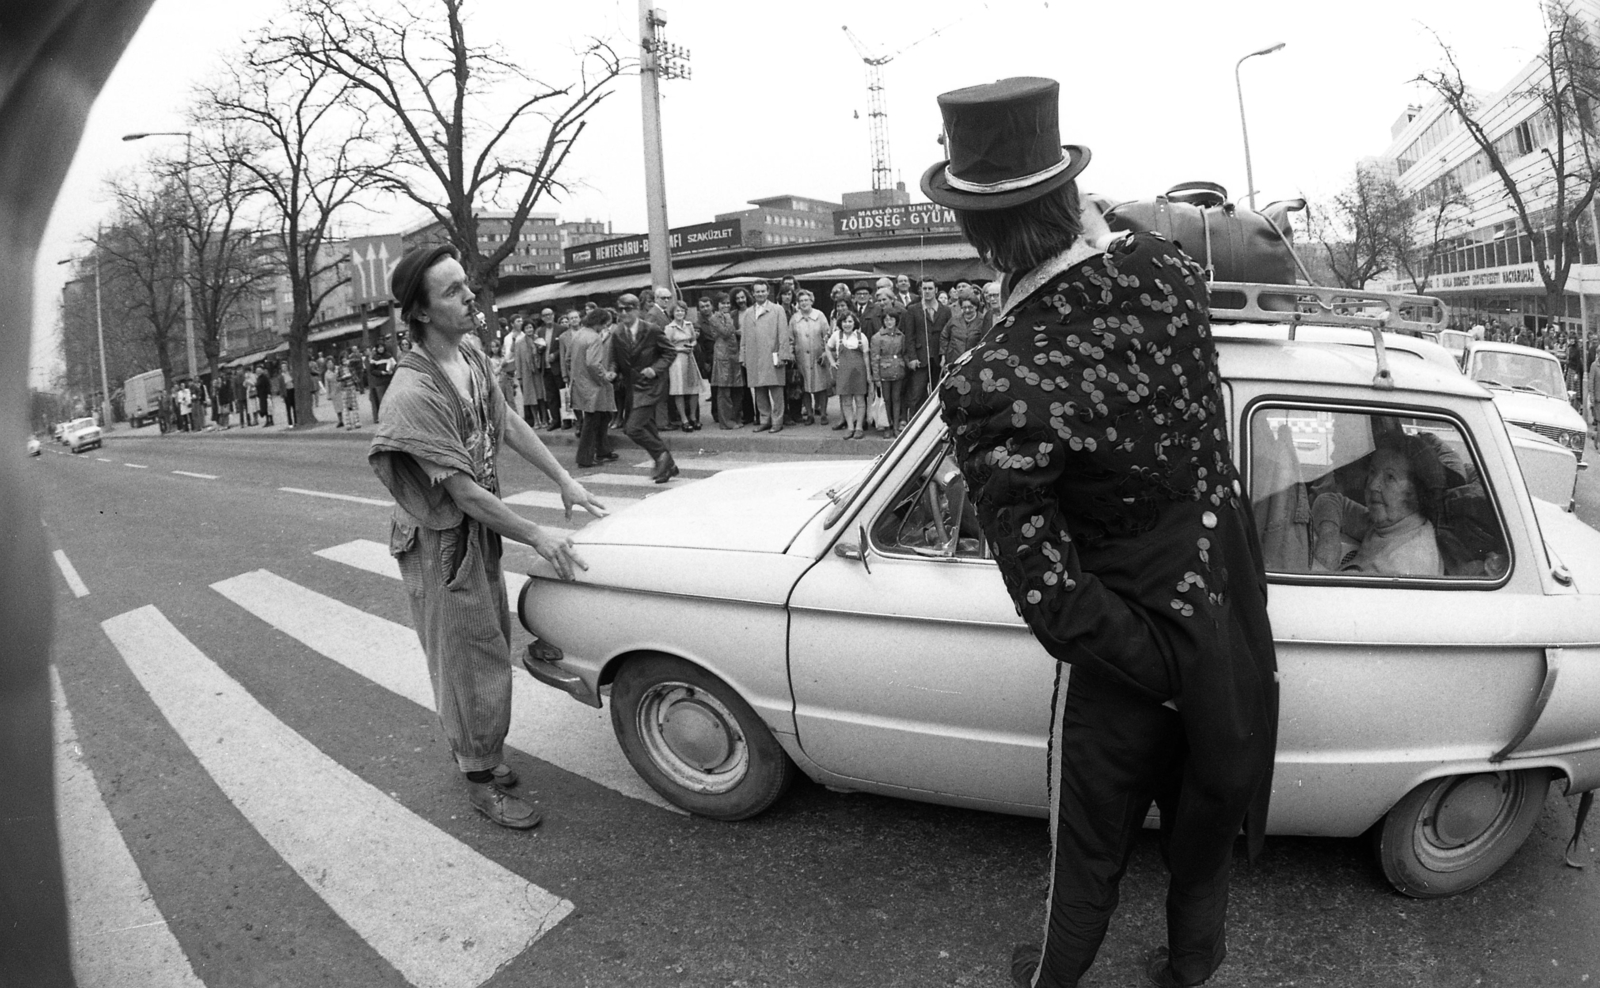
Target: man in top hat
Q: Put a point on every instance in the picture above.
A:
(1090, 428)
(437, 450)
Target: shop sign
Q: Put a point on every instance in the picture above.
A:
(683, 240)
(922, 217)
(1526, 274)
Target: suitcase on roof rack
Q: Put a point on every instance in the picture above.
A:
(1231, 243)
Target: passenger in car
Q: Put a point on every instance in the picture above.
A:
(1394, 531)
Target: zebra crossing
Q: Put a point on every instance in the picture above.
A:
(441, 913)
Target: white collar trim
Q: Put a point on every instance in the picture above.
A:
(1081, 250)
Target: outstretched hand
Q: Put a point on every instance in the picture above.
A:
(558, 550)
(573, 495)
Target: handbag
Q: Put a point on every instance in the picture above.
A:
(567, 414)
(879, 410)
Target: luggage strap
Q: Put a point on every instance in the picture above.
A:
(1584, 803)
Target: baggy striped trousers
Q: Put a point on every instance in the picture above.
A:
(1112, 753)
(458, 605)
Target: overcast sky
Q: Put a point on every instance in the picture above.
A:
(777, 89)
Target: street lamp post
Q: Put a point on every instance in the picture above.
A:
(657, 60)
(188, 292)
(1249, 175)
(100, 334)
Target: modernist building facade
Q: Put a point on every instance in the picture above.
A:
(1484, 270)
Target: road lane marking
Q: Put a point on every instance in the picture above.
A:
(552, 500)
(136, 466)
(629, 480)
(202, 476)
(70, 572)
(338, 497)
(444, 915)
(107, 897)
(104, 459)
(545, 723)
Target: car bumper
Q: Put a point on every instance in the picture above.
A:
(544, 663)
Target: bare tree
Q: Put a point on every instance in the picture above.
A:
(141, 271)
(1361, 231)
(292, 126)
(227, 263)
(436, 89)
(1550, 209)
(1417, 252)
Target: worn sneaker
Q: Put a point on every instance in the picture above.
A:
(494, 802)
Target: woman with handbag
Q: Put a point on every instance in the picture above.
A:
(683, 377)
(847, 350)
(889, 373)
(810, 331)
(727, 373)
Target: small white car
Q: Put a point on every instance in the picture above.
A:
(1530, 389)
(1550, 468)
(82, 434)
(34, 449)
(847, 621)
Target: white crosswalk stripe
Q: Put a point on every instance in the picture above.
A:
(441, 913)
(544, 722)
(119, 937)
(69, 573)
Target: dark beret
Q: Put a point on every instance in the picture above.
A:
(406, 282)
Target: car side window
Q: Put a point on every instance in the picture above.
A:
(931, 515)
(1346, 493)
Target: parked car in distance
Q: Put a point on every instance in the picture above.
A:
(82, 434)
(60, 431)
(1550, 469)
(1530, 389)
(1456, 342)
(847, 621)
(34, 449)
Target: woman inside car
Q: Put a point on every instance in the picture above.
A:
(1393, 533)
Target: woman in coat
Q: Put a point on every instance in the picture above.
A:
(727, 373)
(961, 332)
(810, 331)
(1090, 427)
(594, 376)
(683, 377)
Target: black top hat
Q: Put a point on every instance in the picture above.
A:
(1004, 142)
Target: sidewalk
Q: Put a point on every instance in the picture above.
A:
(794, 440)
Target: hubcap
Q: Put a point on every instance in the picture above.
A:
(696, 734)
(692, 738)
(1468, 809)
(1465, 818)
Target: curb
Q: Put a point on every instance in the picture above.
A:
(795, 440)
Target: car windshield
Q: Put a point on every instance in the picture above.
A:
(1519, 372)
(81, 424)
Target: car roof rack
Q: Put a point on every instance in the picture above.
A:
(1293, 305)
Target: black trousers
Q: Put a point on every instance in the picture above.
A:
(594, 439)
(640, 426)
(1113, 755)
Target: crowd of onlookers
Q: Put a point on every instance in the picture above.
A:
(1575, 355)
(263, 394)
(766, 356)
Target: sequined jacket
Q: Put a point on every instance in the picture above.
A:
(1089, 424)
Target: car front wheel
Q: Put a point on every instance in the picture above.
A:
(1448, 835)
(695, 740)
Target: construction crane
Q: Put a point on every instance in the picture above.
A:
(878, 113)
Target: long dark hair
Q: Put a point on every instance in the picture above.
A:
(737, 294)
(1023, 237)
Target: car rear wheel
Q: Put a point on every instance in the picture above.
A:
(695, 740)
(1448, 835)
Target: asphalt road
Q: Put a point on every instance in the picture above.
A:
(289, 821)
